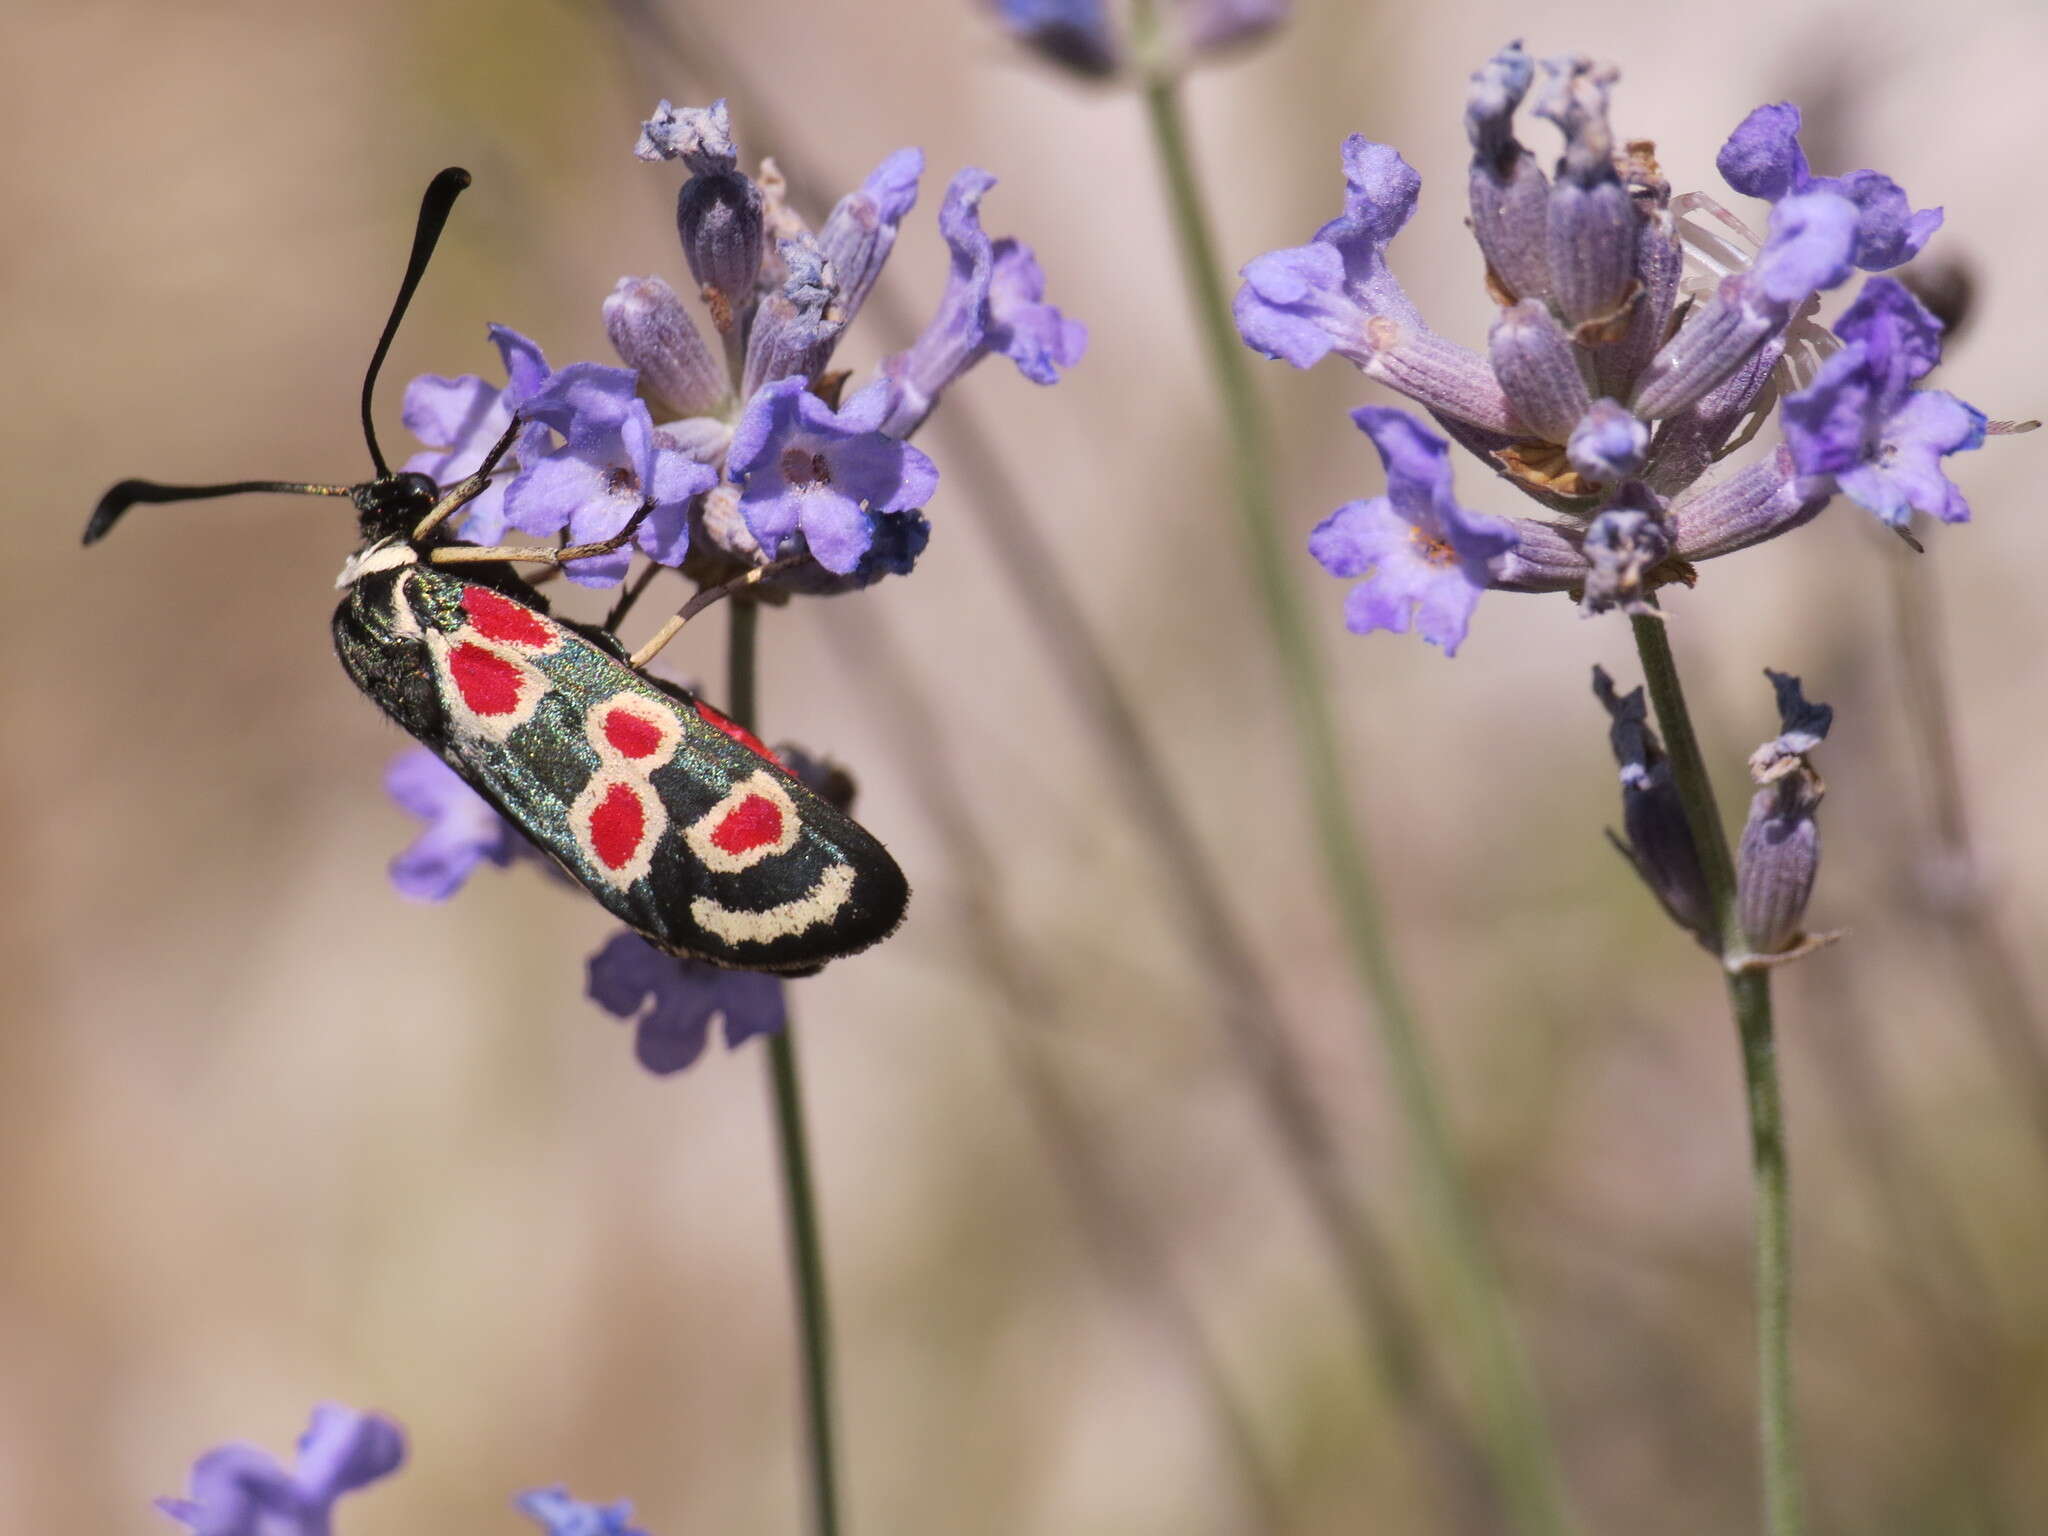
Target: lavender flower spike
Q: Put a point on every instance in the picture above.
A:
(560, 1515)
(1426, 559)
(238, 1490)
(1862, 422)
(1763, 159)
(674, 1002)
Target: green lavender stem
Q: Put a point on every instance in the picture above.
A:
(806, 1251)
(1749, 998)
(1518, 1443)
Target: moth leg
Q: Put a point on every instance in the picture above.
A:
(697, 605)
(471, 554)
(464, 492)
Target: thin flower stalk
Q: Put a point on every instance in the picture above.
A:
(806, 1244)
(1749, 999)
(1515, 1434)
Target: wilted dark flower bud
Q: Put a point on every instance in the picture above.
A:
(1628, 540)
(1780, 851)
(1659, 840)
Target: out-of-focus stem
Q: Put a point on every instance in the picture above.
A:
(1749, 999)
(806, 1248)
(1990, 972)
(1516, 1437)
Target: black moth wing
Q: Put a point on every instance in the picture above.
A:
(697, 840)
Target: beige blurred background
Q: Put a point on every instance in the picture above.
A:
(273, 1136)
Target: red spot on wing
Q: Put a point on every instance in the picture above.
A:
(496, 617)
(489, 684)
(617, 825)
(737, 732)
(633, 735)
(751, 824)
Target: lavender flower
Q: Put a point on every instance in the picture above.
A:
(462, 418)
(560, 1515)
(1762, 158)
(673, 1002)
(610, 463)
(462, 829)
(804, 469)
(994, 302)
(1424, 557)
(239, 1490)
(1598, 396)
(1080, 35)
(1863, 425)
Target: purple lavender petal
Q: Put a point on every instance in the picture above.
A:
(462, 830)
(545, 496)
(836, 531)
(1762, 157)
(1029, 332)
(588, 403)
(343, 1450)
(674, 1001)
(561, 1515)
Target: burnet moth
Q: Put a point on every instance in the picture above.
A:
(677, 819)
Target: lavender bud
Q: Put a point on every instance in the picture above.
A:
(1608, 445)
(1757, 502)
(1591, 222)
(1538, 370)
(1659, 839)
(655, 336)
(861, 232)
(798, 326)
(718, 211)
(1780, 850)
(1508, 191)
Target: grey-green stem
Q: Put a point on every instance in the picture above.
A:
(806, 1249)
(1749, 998)
(1516, 1437)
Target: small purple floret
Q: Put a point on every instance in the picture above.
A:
(609, 463)
(239, 1490)
(462, 829)
(1425, 557)
(804, 468)
(673, 1002)
(1073, 33)
(461, 418)
(1862, 422)
(1762, 158)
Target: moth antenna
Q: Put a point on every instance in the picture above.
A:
(434, 207)
(129, 492)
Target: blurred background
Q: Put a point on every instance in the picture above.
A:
(274, 1136)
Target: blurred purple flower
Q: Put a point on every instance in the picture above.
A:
(560, 1515)
(462, 829)
(673, 1002)
(239, 1490)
